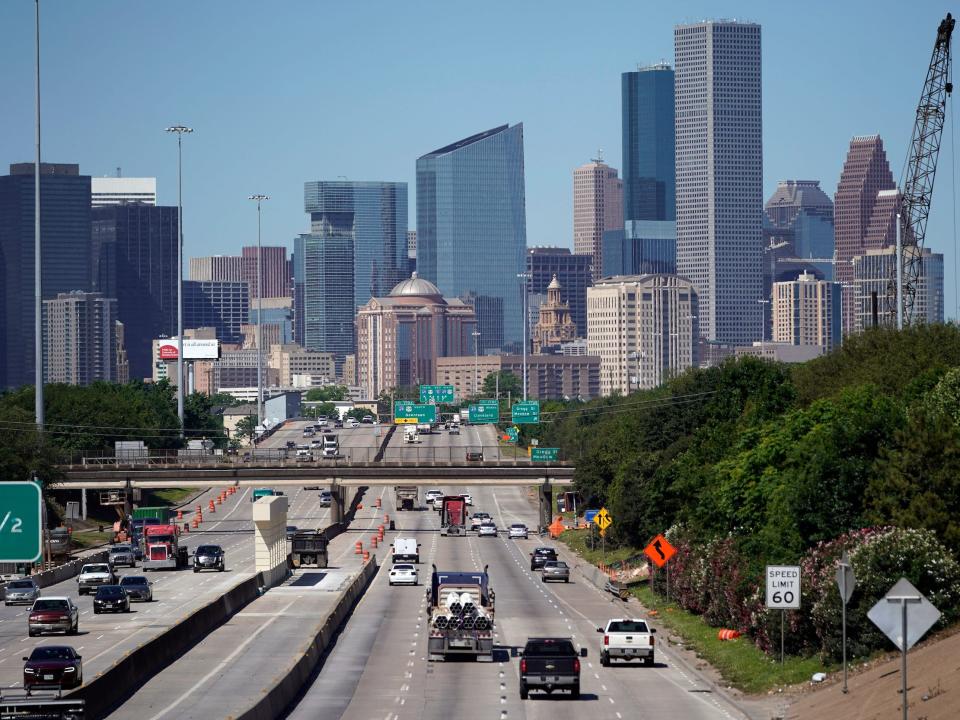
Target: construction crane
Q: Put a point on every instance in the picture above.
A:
(919, 173)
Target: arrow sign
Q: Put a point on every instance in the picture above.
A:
(660, 551)
(602, 519)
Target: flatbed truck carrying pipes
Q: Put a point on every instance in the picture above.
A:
(460, 615)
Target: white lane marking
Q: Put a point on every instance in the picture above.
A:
(226, 661)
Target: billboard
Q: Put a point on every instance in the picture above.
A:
(193, 349)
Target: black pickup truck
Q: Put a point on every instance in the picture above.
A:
(550, 664)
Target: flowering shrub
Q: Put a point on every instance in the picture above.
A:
(713, 578)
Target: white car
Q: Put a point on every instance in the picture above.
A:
(518, 530)
(431, 496)
(351, 423)
(467, 498)
(404, 574)
(487, 529)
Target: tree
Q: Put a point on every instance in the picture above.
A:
(509, 383)
(246, 426)
(325, 408)
(357, 413)
(327, 394)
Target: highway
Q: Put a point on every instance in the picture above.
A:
(103, 639)
(378, 668)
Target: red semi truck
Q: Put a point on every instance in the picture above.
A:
(162, 548)
(453, 515)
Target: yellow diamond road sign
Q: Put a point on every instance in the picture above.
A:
(602, 519)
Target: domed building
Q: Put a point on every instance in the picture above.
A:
(399, 337)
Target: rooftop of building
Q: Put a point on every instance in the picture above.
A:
(416, 285)
(802, 193)
(467, 141)
(28, 168)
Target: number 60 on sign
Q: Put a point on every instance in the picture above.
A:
(783, 587)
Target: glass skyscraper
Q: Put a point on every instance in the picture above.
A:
(373, 216)
(649, 185)
(323, 292)
(134, 259)
(65, 237)
(472, 230)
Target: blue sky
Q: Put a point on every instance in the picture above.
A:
(283, 92)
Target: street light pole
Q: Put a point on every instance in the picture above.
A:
(476, 362)
(37, 254)
(260, 418)
(180, 130)
(524, 276)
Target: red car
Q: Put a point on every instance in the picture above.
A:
(52, 666)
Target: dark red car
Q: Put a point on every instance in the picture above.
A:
(52, 666)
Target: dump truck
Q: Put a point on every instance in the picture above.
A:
(453, 515)
(460, 615)
(308, 548)
(162, 548)
(408, 497)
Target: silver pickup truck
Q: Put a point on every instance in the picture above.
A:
(626, 639)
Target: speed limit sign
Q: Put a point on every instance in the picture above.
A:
(783, 587)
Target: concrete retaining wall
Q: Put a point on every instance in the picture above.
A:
(278, 698)
(68, 570)
(116, 684)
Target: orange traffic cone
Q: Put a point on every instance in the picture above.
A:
(357, 547)
(366, 555)
(179, 514)
(212, 508)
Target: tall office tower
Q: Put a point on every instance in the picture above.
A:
(373, 217)
(323, 297)
(218, 268)
(224, 306)
(720, 174)
(647, 104)
(411, 251)
(597, 207)
(641, 247)
(134, 259)
(643, 328)
(472, 228)
(122, 190)
(273, 266)
(65, 238)
(806, 311)
(865, 174)
(80, 338)
(871, 282)
(572, 272)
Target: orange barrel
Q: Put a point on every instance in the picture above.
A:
(378, 502)
(373, 541)
(357, 548)
(386, 519)
(366, 555)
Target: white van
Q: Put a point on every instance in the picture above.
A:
(406, 550)
(410, 434)
(331, 446)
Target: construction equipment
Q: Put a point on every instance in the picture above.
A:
(919, 173)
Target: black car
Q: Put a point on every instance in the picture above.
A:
(540, 556)
(291, 444)
(208, 557)
(291, 531)
(112, 598)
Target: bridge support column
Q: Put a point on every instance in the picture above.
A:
(270, 538)
(546, 505)
(336, 505)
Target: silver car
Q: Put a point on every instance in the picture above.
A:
(487, 529)
(122, 555)
(556, 570)
(21, 592)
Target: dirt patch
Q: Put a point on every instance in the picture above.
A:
(933, 673)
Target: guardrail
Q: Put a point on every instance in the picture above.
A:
(287, 457)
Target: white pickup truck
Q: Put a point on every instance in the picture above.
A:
(626, 639)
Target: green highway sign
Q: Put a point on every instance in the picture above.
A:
(513, 433)
(436, 393)
(20, 522)
(526, 412)
(492, 402)
(483, 413)
(406, 411)
(541, 454)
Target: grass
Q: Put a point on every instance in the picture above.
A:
(740, 662)
(173, 496)
(82, 540)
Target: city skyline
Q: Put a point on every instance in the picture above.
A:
(800, 140)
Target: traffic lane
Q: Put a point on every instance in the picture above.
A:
(224, 674)
(397, 680)
(374, 660)
(441, 446)
(666, 690)
(176, 593)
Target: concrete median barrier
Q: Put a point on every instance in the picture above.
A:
(290, 680)
(110, 688)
